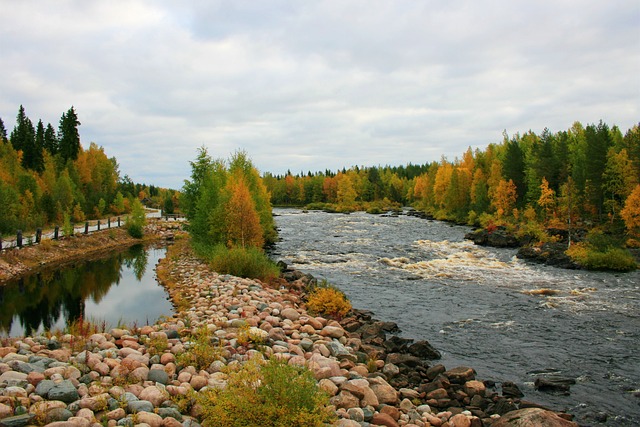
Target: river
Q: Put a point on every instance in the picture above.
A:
(472, 303)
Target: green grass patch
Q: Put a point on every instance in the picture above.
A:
(249, 262)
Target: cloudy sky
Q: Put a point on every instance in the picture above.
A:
(311, 85)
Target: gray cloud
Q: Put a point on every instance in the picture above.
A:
(316, 85)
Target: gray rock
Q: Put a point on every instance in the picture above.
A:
(17, 420)
(58, 414)
(126, 422)
(190, 423)
(339, 351)
(170, 412)
(43, 387)
(65, 391)
(306, 344)
(113, 404)
(172, 334)
(139, 406)
(129, 397)
(158, 376)
(23, 367)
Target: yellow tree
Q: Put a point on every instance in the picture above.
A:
(504, 197)
(441, 184)
(631, 212)
(241, 218)
(547, 200)
(346, 192)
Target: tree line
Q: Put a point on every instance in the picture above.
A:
(581, 176)
(47, 177)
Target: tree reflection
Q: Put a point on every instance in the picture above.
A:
(39, 301)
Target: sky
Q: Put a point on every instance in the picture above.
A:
(315, 85)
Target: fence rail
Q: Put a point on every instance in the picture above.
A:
(22, 239)
(56, 233)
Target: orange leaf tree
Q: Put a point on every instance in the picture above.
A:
(241, 218)
(631, 212)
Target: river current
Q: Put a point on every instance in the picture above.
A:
(476, 305)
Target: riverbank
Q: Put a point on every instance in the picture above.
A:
(15, 263)
(139, 376)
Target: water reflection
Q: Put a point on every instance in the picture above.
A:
(119, 288)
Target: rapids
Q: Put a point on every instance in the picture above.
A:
(483, 307)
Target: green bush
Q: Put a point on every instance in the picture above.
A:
(137, 220)
(248, 262)
(612, 259)
(271, 393)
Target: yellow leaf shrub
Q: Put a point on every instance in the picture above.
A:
(328, 301)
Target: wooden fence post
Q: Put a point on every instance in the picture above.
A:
(38, 235)
(56, 230)
(98, 225)
(19, 238)
(118, 221)
(86, 227)
(0, 242)
(109, 222)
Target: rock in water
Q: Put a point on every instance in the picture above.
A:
(532, 417)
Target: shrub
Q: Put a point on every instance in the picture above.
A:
(612, 259)
(328, 301)
(266, 394)
(136, 221)
(587, 256)
(200, 352)
(242, 262)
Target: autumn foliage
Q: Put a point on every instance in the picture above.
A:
(631, 212)
(230, 215)
(241, 218)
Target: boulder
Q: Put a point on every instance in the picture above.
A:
(424, 350)
(532, 417)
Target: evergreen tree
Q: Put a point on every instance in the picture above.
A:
(597, 148)
(23, 133)
(513, 169)
(50, 140)
(34, 152)
(68, 134)
(3, 132)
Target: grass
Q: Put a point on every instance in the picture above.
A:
(249, 263)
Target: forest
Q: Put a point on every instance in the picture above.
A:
(587, 178)
(47, 177)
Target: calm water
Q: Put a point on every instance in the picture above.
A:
(471, 303)
(117, 289)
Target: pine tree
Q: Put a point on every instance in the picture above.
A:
(513, 169)
(3, 132)
(598, 144)
(23, 135)
(50, 140)
(69, 136)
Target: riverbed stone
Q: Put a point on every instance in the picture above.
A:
(158, 376)
(532, 417)
(139, 406)
(65, 391)
(17, 420)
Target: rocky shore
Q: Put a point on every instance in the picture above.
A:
(549, 253)
(122, 377)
